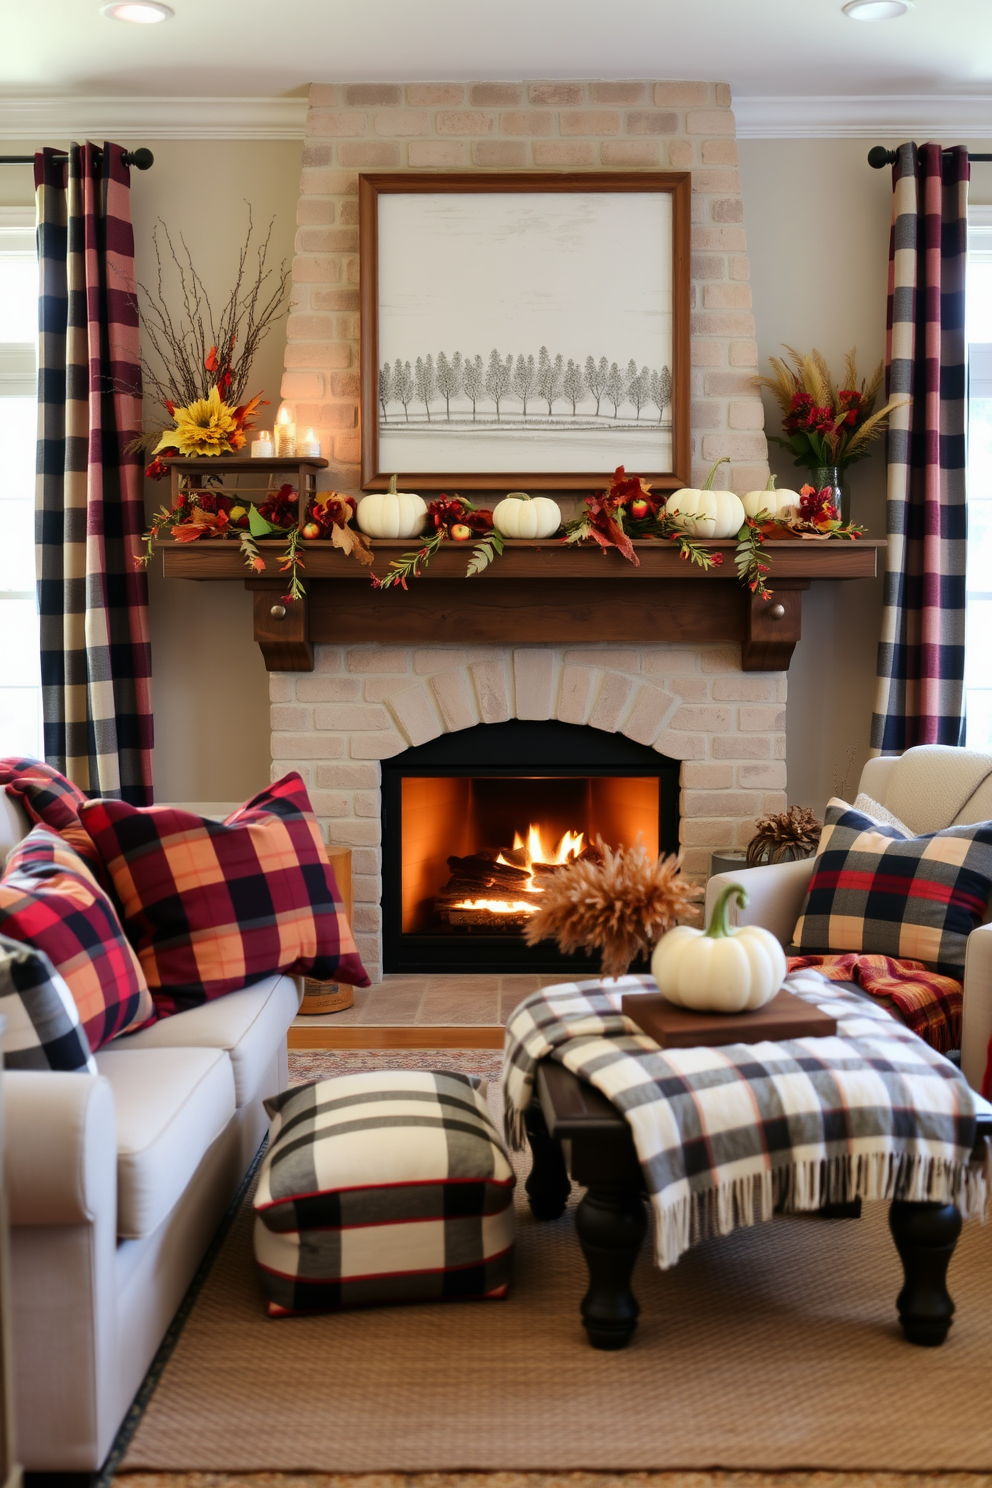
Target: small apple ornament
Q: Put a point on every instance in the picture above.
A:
(460, 532)
(639, 509)
(310, 530)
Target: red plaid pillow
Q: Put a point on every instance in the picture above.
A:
(52, 801)
(214, 906)
(50, 900)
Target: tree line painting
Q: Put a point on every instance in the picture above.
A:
(542, 390)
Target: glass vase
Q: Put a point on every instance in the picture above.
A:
(832, 476)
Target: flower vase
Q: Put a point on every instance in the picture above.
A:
(831, 476)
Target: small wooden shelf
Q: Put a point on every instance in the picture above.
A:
(536, 592)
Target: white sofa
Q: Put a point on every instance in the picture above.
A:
(927, 788)
(116, 1184)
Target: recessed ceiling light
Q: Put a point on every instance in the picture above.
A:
(138, 12)
(877, 10)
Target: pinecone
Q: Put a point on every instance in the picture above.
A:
(785, 837)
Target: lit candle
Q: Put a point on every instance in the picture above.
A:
(285, 435)
(262, 447)
(310, 448)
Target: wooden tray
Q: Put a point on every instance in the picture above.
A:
(785, 1017)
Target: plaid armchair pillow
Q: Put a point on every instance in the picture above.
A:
(876, 891)
(214, 906)
(50, 900)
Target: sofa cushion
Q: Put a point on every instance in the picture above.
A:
(214, 906)
(875, 891)
(391, 1186)
(50, 800)
(250, 1025)
(49, 899)
(42, 1030)
(170, 1105)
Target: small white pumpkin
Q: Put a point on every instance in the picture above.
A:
(392, 513)
(719, 970)
(530, 518)
(778, 504)
(706, 513)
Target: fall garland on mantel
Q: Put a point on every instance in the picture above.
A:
(625, 512)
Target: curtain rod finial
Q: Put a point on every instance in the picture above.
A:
(141, 159)
(879, 156)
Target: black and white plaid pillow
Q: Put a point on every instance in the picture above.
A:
(388, 1186)
(43, 1031)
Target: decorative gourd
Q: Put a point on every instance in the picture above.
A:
(706, 513)
(530, 518)
(392, 513)
(719, 970)
(778, 504)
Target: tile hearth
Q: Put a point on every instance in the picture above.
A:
(434, 1001)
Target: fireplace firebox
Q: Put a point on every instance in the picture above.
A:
(475, 822)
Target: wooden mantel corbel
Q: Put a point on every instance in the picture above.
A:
(535, 592)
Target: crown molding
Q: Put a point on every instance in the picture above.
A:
(897, 116)
(55, 120)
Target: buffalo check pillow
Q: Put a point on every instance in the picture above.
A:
(391, 1186)
(211, 907)
(50, 800)
(879, 892)
(42, 1029)
(50, 900)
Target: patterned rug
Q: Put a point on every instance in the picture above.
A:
(319, 1064)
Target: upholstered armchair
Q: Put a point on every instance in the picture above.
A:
(927, 788)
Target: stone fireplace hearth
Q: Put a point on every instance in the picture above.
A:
(364, 704)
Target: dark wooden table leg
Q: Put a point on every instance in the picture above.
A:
(548, 1185)
(611, 1223)
(925, 1237)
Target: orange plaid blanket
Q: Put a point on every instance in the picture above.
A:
(926, 1002)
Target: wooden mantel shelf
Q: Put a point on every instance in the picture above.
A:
(535, 592)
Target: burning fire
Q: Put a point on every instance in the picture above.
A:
(567, 850)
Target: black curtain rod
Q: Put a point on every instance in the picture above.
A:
(141, 159)
(879, 156)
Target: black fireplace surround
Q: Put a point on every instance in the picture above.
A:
(540, 762)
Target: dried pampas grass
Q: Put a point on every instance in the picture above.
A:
(619, 906)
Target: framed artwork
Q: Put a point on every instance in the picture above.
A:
(524, 329)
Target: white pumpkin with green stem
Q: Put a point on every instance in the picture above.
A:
(392, 513)
(526, 517)
(706, 513)
(719, 969)
(778, 504)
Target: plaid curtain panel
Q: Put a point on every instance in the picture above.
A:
(95, 655)
(920, 688)
(384, 1187)
(214, 906)
(725, 1134)
(913, 898)
(50, 900)
(43, 1030)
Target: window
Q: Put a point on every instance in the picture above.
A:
(20, 674)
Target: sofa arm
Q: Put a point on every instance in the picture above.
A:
(775, 895)
(61, 1147)
(976, 1012)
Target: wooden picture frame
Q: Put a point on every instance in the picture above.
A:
(453, 265)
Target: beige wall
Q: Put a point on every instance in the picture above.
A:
(817, 228)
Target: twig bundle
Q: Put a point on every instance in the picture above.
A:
(619, 906)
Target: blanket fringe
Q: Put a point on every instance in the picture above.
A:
(806, 1187)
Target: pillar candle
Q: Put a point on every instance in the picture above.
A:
(262, 448)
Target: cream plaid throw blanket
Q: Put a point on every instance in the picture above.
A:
(723, 1135)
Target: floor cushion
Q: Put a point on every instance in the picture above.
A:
(873, 890)
(390, 1186)
(49, 899)
(213, 906)
(250, 1025)
(170, 1105)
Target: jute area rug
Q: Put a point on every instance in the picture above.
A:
(775, 1350)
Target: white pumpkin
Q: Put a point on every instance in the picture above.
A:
(529, 518)
(719, 970)
(392, 513)
(706, 513)
(778, 504)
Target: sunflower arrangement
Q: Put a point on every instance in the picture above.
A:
(825, 424)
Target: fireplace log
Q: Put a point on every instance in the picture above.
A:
(484, 863)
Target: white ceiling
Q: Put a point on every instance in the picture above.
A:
(243, 48)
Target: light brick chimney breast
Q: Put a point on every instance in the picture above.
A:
(367, 703)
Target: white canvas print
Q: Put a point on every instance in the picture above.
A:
(524, 331)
